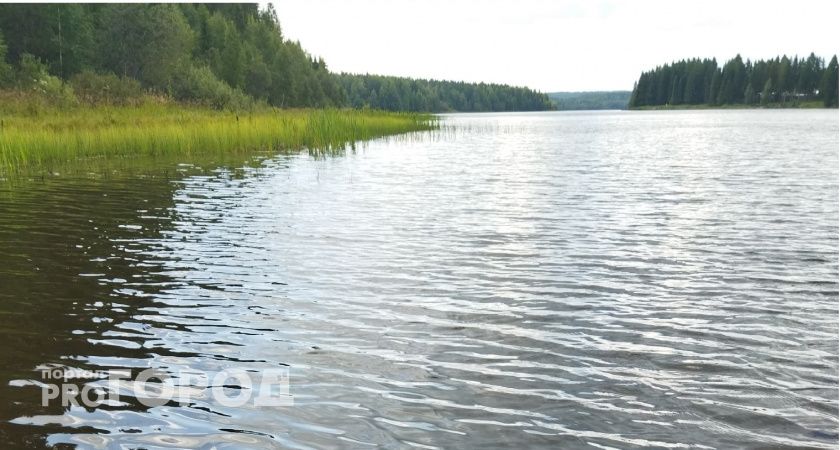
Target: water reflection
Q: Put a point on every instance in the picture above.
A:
(65, 279)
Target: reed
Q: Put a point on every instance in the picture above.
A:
(50, 136)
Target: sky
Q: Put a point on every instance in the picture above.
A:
(560, 45)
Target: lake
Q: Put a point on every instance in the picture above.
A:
(567, 280)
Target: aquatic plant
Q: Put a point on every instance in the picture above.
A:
(50, 135)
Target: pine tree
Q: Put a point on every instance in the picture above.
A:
(714, 89)
(749, 95)
(829, 88)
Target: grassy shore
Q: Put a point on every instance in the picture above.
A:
(41, 136)
(813, 104)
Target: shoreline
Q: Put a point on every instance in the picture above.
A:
(64, 135)
(807, 105)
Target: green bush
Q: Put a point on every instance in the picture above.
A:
(199, 85)
(32, 77)
(57, 92)
(94, 88)
(30, 71)
(6, 72)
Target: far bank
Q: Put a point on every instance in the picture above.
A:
(816, 104)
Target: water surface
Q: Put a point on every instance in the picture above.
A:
(574, 280)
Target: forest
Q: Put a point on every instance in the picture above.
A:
(407, 94)
(778, 82)
(224, 56)
(589, 100)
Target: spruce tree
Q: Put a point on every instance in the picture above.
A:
(829, 88)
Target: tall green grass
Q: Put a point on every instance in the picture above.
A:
(51, 136)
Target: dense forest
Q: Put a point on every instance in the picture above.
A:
(219, 55)
(569, 101)
(406, 94)
(774, 82)
(222, 55)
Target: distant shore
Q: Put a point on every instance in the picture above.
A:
(803, 105)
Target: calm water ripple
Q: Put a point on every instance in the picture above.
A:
(574, 280)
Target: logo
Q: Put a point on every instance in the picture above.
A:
(154, 387)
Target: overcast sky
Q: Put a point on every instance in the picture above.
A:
(550, 45)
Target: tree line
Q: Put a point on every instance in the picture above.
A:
(221, 55)
(589, 100)
(778, 82)
(407, 94)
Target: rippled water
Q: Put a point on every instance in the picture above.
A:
(575, 280)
